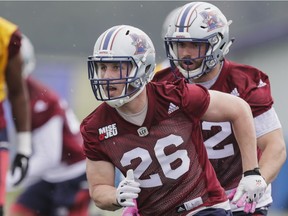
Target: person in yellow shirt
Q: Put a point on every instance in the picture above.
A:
(12, 85)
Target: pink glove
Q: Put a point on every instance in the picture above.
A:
(131, 211)
(248, 207)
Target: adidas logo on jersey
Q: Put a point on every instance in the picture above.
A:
(235, 92)
(107, 131)
(261, 84)
(172, 108)
(189, 205)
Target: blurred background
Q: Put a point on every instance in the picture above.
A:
(64, 33)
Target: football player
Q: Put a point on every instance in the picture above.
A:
(151, 133)
(56, 180)
(197, 41)
(13, 86)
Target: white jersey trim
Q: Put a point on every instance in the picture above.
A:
(266, 122)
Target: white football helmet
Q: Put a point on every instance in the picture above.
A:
(198, 22)
(28, 56)
(122, 44)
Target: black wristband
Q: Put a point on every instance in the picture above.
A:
(255, 171)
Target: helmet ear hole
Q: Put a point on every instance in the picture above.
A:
(221, 47)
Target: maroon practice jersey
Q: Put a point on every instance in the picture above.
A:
(46, 104)
(166, 152)
(243, 81)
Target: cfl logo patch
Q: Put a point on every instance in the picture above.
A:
(107, 131)
(143, 131)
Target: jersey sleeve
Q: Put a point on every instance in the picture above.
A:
(195, 100)
(250, 83)
(91, 145)
(258, 94)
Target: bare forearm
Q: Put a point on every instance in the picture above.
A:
(242, 127)
(273, 154)
(270, 170)
(20, 111)
(104, 197)
(18, 94)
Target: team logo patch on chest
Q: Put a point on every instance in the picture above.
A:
(107, 131)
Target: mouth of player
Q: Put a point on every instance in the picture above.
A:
(110, 88)
(188, 64)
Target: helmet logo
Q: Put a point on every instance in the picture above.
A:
(212, 20)
(140, 43)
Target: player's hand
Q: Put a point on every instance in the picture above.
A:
(21, 163)
(248, 207)
(131, 211)
(127, 190)
(19, 167)
(249, 191)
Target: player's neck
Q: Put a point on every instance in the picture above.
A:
(209, 76)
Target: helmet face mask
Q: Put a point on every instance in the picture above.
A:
(124, 77)
(189, 61)
(122, 64)
(203, 23)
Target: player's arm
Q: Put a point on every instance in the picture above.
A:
(17, 93)
(18, 96)
(19, 99)
(100, 175)
(273, 156)
(226, 107)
